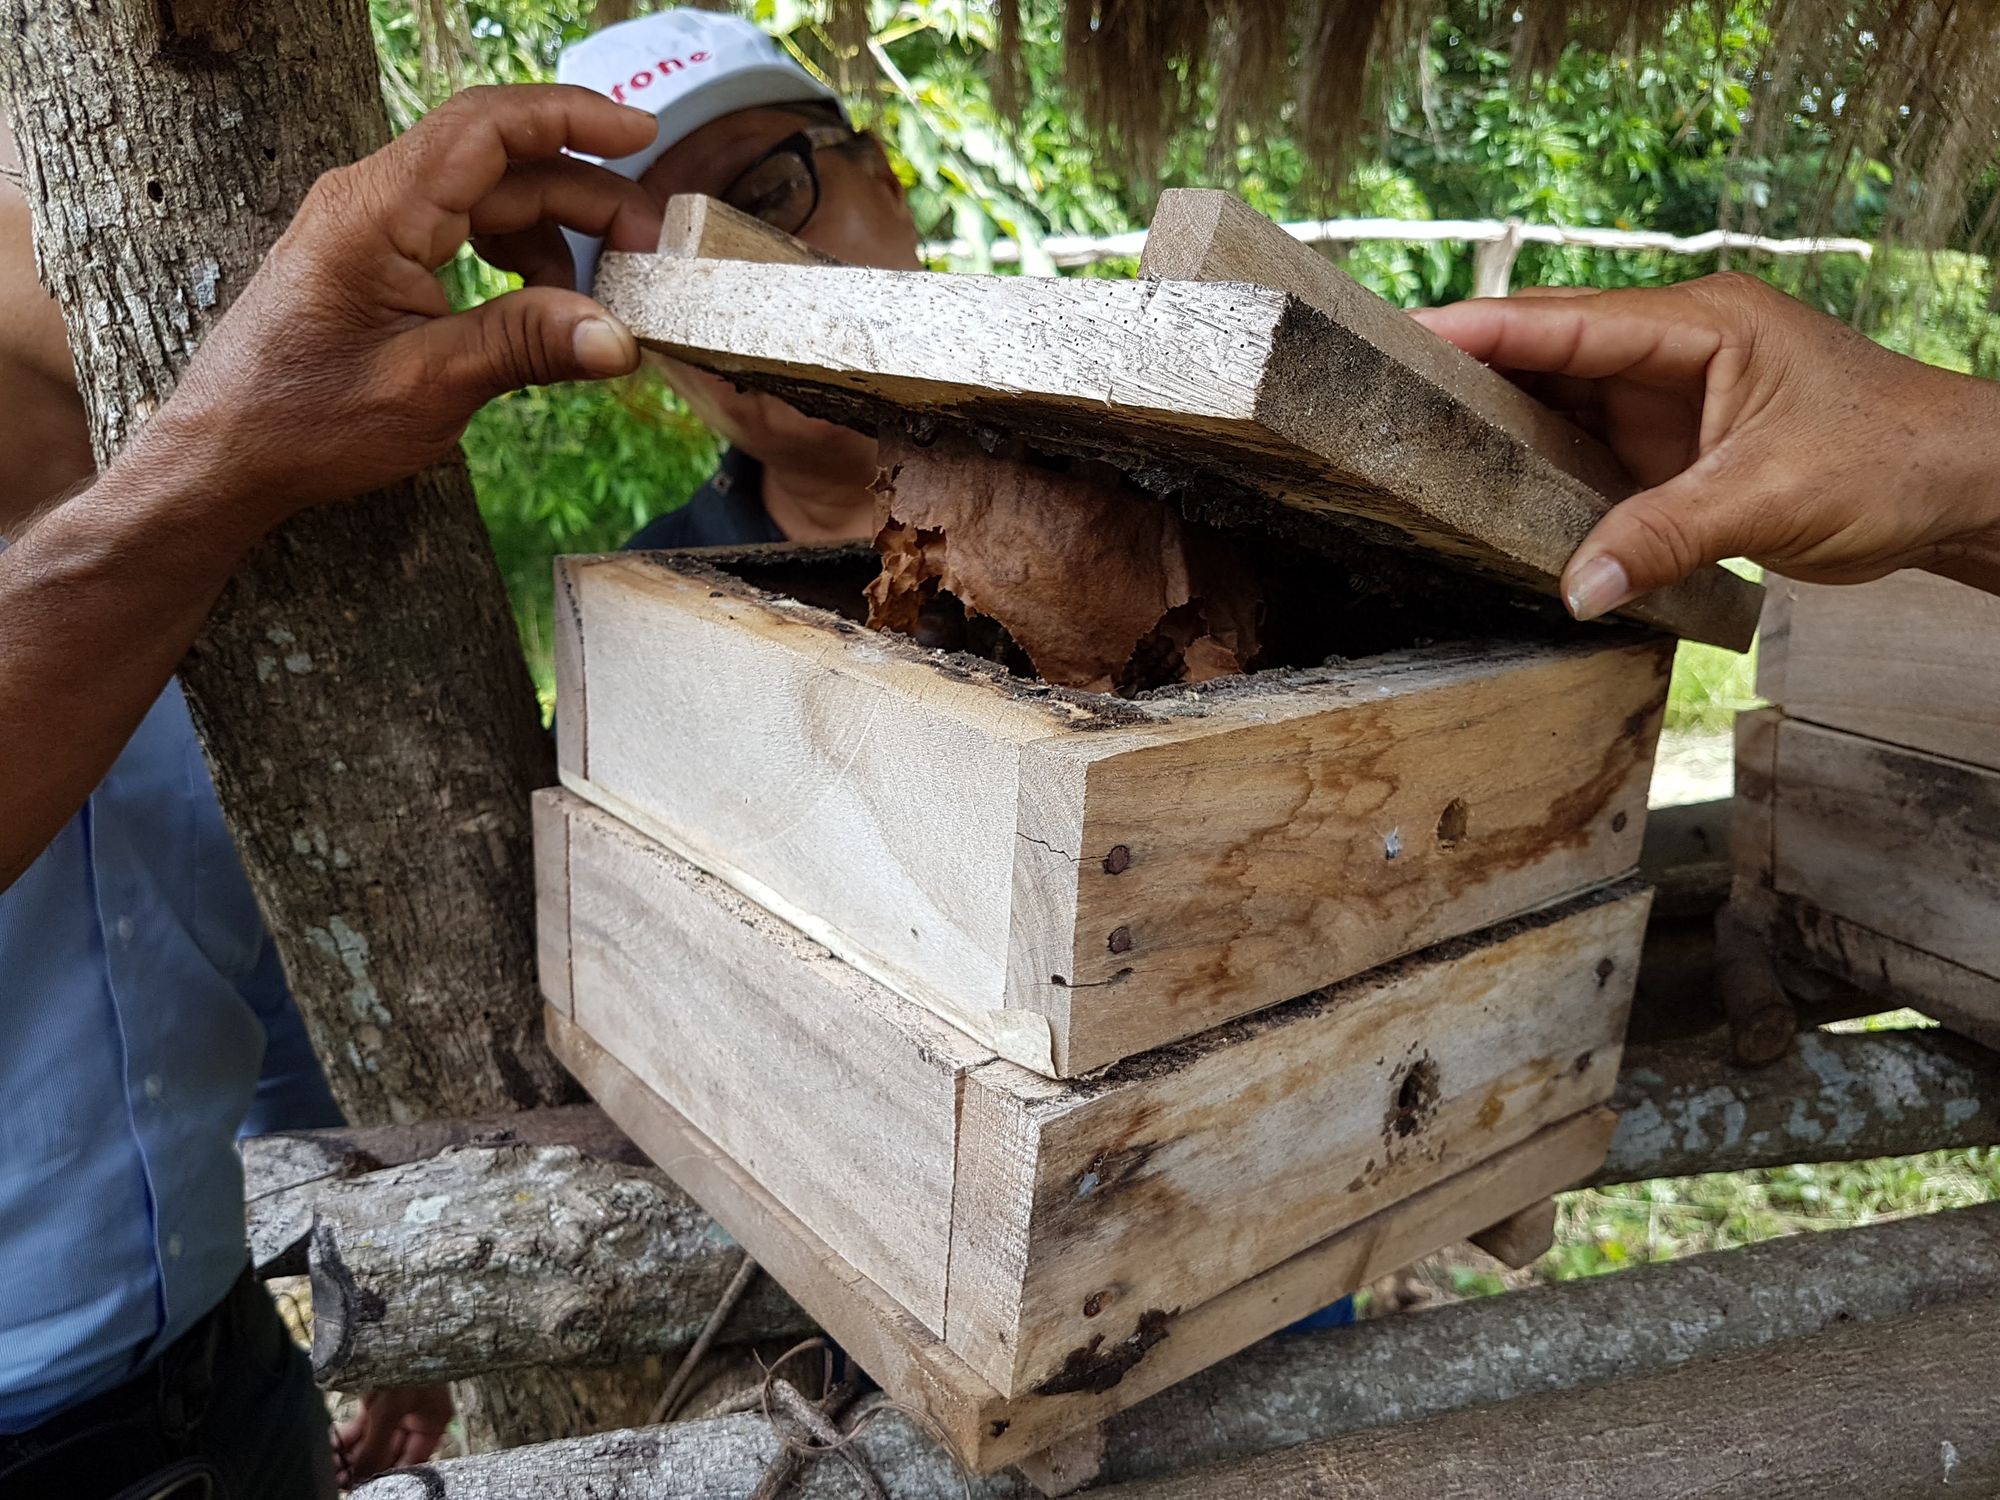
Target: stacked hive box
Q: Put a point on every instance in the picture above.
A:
(1867, 830)
(1049, 1046)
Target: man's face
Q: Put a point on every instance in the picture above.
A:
(862, 218)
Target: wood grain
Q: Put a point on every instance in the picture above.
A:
(1290, 838)
(951, 832)
(1912, 659)
(1893, 840)
(551, 826)
(1245, 1145)
(840, 1097)
(1244, 383)
(987, 1430)
(1204, 234)
(706, 228)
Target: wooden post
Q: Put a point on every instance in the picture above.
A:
(359, 690)
(1493, 262)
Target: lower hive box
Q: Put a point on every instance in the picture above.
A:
(1018, 1256)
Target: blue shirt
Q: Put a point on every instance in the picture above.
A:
(144, 1021)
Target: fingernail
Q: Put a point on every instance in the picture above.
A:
(1598, 587)
(603, 347)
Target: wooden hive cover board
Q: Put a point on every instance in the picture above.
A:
(1246, 384)
(986, 1429)
(951, 833)
(937, 1171)
(1913, 659)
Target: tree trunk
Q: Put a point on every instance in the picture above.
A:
(359, 691)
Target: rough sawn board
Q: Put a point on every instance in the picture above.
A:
(1244, 386)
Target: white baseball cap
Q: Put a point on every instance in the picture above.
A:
(690, 68)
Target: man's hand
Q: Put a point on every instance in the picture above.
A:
(1762, 429)
(394, 1429)
(341, 368)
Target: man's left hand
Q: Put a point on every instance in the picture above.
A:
(394, 1429)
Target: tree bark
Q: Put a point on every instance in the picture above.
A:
(1684, 1108)
(1523, 1348)
(359, 690)
(285, 1175)
(1883, 1412)
(496, 1257)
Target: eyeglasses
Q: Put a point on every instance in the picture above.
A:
(781, 187)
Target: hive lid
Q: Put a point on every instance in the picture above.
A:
(1241, 363)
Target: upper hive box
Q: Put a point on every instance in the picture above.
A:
(1072, 877)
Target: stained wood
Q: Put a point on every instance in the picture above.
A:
(1246, 384)
(840, 1097)
(951, 833)
(1912, 659)
(1893, 973)
(1893, 840)
(1242, 1146)
(985, 1429)
(1752, 821)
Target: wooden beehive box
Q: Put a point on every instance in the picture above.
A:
(1050, 1045)
(1867, 830)
(1016, 1255)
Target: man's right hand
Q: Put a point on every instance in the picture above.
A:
(341, 368)
(1762, 429)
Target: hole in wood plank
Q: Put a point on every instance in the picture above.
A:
(1415, 1102)
(1451, 824)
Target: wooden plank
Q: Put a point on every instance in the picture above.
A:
(1521, 1238)
(1243, 1146)
(706, 228)
(1242, 384)
(551, 831)
(840, 1097)
(1893, 840)
(986, 1429)
(1292, 838)
(1895, 973)
(571, 719)
(1205, 234)
(1912, 659)
(835, 777)
(1752, 821)
(950, 831)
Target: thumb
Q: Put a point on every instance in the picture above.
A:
(1651, 540)
(534, 336)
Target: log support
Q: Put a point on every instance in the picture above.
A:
(1891, 1299)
